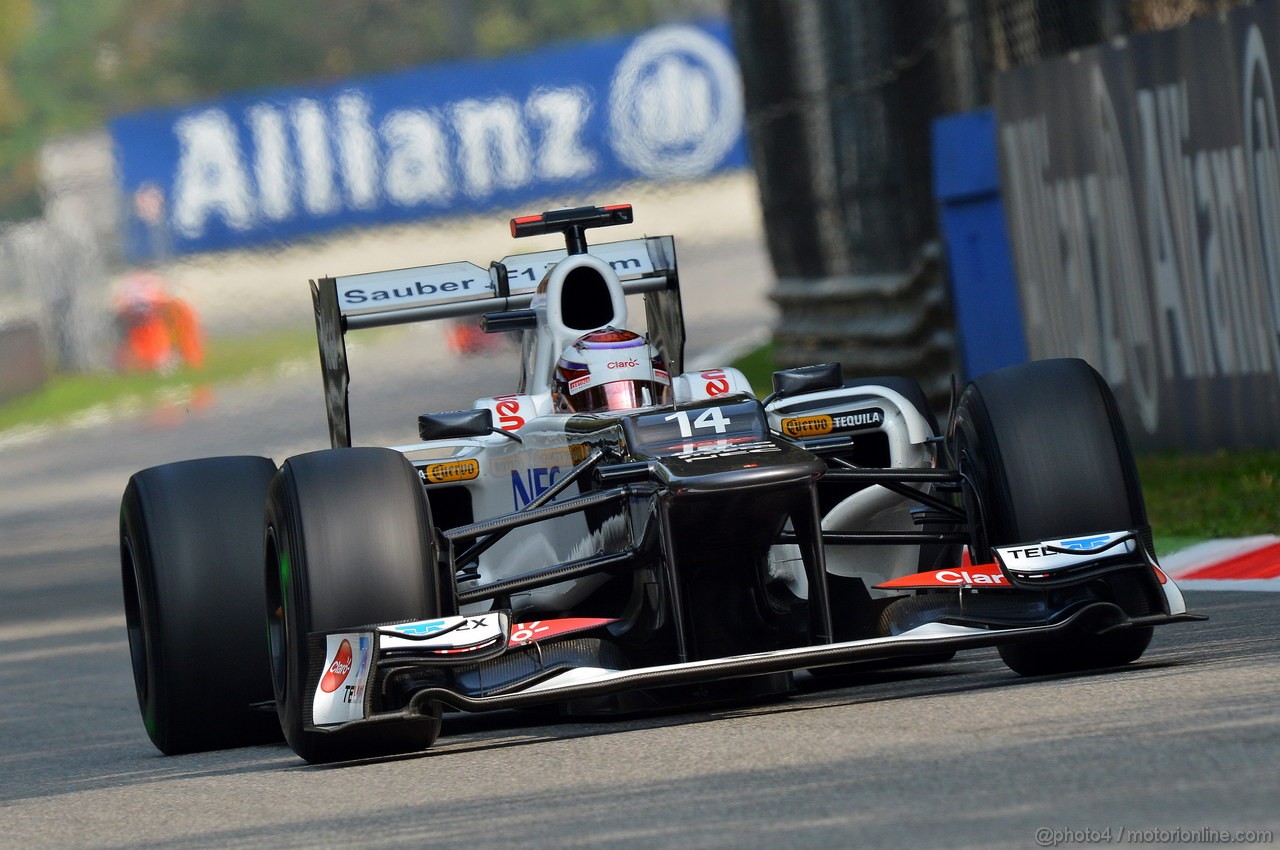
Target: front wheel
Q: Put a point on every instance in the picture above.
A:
(349, 543)
(1045, 456)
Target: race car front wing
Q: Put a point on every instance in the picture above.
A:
(357, 664)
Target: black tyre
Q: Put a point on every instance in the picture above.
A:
(1047, 457)
(190, 563)
(349, 543)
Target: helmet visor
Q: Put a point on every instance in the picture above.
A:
(620, 395)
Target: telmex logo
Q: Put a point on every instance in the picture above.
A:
(458, 470)
(808, 426)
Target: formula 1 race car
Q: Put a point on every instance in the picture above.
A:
(618, 534)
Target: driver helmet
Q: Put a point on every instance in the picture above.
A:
(610, 369)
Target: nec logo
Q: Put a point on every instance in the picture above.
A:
(532, 484)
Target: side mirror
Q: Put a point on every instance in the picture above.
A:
(455, 423)
(807, 379)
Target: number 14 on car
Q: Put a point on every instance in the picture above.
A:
(712, 418)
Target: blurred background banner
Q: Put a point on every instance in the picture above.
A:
(845, 140)
(438, 140)
(1142, 180)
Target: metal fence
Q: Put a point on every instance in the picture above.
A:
(840, 100)
(54, 270)
(840, 96)
(54, 277)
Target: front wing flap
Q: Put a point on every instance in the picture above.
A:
(1047, 563)
(385, 646)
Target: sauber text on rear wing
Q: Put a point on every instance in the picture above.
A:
(645, 266)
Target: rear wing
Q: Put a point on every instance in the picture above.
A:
(645, 266)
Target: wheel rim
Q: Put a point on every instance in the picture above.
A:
(278, 574)
(133, 620)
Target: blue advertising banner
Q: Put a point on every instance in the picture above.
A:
(463, 137)
(1142, 182)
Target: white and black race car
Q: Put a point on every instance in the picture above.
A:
(619, 534)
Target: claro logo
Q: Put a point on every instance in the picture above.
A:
(458, 470)
(338, 670)
(624, 364)
(807, 426)
(965, 577)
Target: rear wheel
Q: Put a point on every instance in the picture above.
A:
(190, 550)
(349, 543)
(1046, 456)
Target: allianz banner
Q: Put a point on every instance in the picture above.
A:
(1142, 184)
(448, 139)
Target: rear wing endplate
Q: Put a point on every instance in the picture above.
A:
(645, 266)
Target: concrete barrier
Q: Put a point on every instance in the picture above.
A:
(22, 361)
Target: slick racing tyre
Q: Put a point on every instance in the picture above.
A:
(349, 543)
(190, 556)
(1045, 456)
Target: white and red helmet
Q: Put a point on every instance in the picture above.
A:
(610, 369)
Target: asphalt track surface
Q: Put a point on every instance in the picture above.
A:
(964, 754)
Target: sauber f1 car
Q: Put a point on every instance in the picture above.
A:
(618, 533)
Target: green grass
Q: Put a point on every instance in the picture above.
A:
(1221, 494)
(226, 359)
(1190, 497)
(758, 367)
